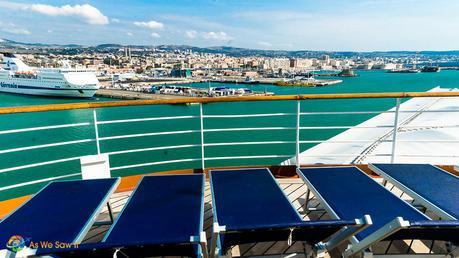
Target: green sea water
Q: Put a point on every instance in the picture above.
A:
(368, 81)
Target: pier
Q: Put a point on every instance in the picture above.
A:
(131, 95)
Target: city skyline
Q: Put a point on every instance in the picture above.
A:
(364, 25)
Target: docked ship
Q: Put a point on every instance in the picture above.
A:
(430, 69)
(404, 70)
(17, 77)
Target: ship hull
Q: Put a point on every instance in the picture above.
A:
(68, 93)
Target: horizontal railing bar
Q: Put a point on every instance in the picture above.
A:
(145, 119)
(104, 104)
(429, 126)
(43, 128)
(38, 164)
(248, 129)
(154, 163)
(146, 134)
(37, 181)
(376, 112)
(373, 127)
(344, 127)
(444, 141)
(250, 157)
(344, 141)
(252, 115)
(45, 146)
(247, 143)
(345, 112)
(346, 155)
(383, 155)
(153, 149)
(430, 111)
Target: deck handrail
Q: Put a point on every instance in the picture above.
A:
(196, 137)
(104, 104)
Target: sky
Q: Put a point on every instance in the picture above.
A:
(330, 25)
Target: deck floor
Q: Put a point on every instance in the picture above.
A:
(295, 189)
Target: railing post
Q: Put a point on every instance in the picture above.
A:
(394, 135)
(201, 118)
(297, 142)
(96, 129)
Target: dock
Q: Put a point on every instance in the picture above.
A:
(132, 95)
(135, 95)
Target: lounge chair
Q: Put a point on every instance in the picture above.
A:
(432, 187)
(163, 217)
(61, 211)
(249, 206)
(347, 192)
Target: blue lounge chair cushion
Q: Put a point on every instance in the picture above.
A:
(247, 198)
(162, 210)
(159, 219)
(352, 194)
(59, 212)
(253, 208)
(431, 183)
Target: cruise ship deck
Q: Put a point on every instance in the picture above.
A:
(180, 183)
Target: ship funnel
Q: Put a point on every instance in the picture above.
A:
(12, 63)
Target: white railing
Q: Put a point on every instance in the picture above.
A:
(201, 118)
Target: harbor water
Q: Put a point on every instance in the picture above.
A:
(367, 81)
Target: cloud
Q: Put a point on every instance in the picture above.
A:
(154, 25)
(216, 35)
(191, 34)
(50, 31)
(14, 29)
(155, 35)
(86, 13)
(129, 34)
(115, 20)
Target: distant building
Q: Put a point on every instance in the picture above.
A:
(300, 63)
(123, 76)
(181, 73)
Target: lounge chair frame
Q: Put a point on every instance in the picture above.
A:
(358, 247)
(200, 239)
(79, 238)
(318, 250)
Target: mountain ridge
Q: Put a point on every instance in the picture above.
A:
(234, 51)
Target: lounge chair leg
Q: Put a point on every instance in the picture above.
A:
(453, 250)
(216, 229)
(367, 254)
(110, 213)
(203, 244)
(387, 230)
(346, 233)
(306, 201)
(202, 241)
(309, 251)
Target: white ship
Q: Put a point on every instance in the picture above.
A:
(17, 77)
